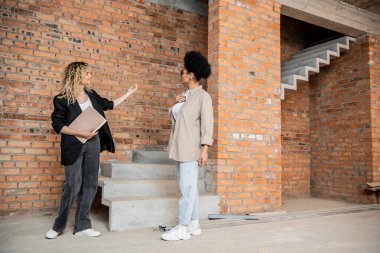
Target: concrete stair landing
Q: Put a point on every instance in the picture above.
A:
(143, 194)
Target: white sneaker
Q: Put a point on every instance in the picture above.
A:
(51, 234)
(177, 233)
(194, 228)
(88, 232)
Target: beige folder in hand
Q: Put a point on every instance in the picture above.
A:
(88, 120)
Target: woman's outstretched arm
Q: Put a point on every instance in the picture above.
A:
(121, 99)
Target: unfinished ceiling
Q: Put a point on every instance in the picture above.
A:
(369, 5)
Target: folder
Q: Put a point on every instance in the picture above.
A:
(89, 119)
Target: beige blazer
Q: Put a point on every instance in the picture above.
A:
(193, 127)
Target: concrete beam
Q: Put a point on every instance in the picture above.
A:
(186, 5)
(334, 15)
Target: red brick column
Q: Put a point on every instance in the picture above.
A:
(244, 49)
(374, 70)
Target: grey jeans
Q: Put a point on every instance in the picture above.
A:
(81, 180)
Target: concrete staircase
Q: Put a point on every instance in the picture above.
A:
(145, 192)
(309, 60)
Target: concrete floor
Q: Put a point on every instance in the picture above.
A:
(353, 232)
(307, 204)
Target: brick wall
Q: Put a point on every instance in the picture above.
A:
(125, 42)
(295, 116)
(341, 155)
(129, 42)
(374, 63)
(295, 141)
(292, 37)
(244, 48)
(295, 109)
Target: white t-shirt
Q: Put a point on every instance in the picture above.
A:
(85, 104)
(177, 106)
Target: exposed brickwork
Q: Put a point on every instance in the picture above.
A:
(244, 49)
(295, 109)
(341, 155)
(295, 117)
(374, 63)
(292, 39)
(295, 153)
(126, 42)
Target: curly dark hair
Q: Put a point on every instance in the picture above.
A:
(197, 64)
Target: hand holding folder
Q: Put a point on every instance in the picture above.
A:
(89, 120)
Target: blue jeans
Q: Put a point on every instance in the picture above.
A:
(187, 175)
(81, 181)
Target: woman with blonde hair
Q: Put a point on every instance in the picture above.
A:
(81, 161)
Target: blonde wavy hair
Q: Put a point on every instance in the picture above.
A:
(71, 79)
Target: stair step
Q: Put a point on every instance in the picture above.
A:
(290, 81)
(324, 55)
(301, 71)
(343, 40)
(141, 170)
(151, 156)
(314, 62)
(118, 187)
(133, 213)
(335, 48)
(309, 60)
(312, 52)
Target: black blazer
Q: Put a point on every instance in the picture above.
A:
(65, 113)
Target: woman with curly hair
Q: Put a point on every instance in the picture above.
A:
(191, 135)
(81, 161)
